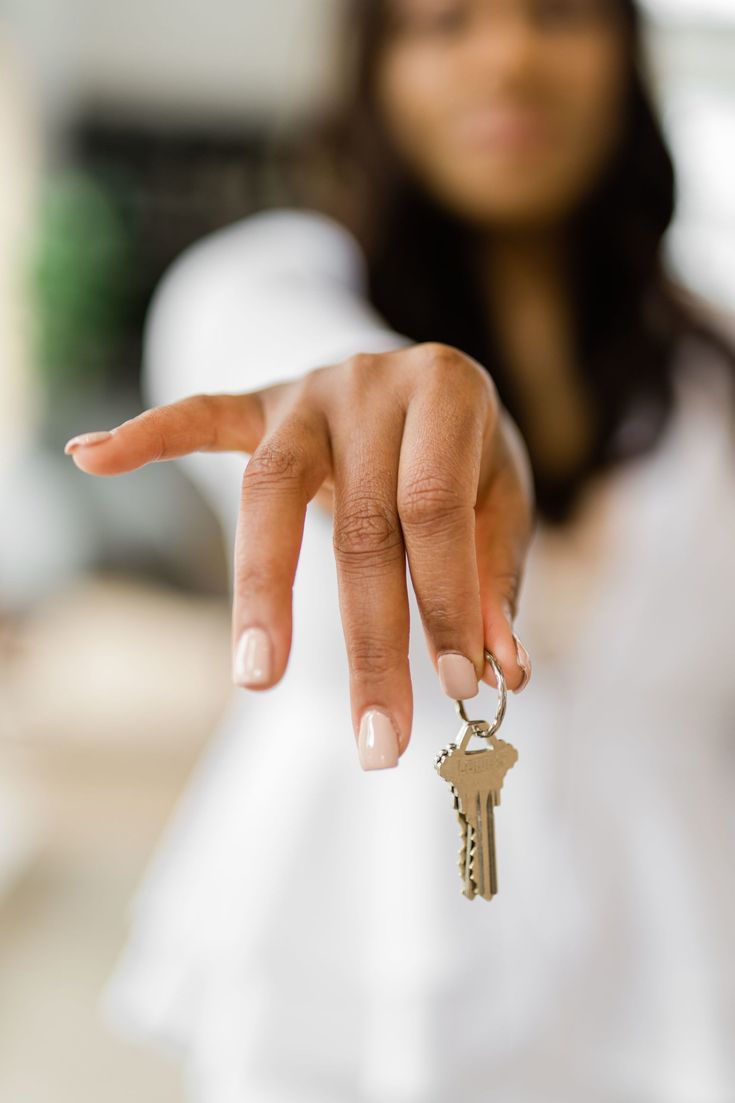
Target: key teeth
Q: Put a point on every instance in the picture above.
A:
(444, 755)
(472, 857)
(462, 852)
(469, 890)
(472, 867)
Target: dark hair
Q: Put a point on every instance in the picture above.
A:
(630, 316)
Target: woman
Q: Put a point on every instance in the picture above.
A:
(472, 342)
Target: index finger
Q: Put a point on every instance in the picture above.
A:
(199, 423)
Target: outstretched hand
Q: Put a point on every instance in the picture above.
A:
(418, 459)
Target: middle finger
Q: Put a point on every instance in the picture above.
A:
(371, 571)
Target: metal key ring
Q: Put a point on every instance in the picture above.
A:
(486, 731)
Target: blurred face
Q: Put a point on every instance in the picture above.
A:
(506, 110)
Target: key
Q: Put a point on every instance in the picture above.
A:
(474, 774)
(476, 778)
(462, 857)
(466, 843)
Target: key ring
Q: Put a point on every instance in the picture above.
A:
(476, 778)
(481, 727)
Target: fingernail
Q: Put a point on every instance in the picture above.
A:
(85, 439)
(252, 661)
(377, 741)
(457, 675)
(524, 661)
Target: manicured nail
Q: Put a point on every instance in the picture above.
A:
(524, 661)
(457, 675)
(377, 741)
(85, 439)
(252, 661)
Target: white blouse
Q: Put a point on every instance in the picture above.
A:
(301, 934)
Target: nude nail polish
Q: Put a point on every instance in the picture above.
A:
(524, 661)
(457, 675)
(377, 741)
(84, 440)
(252, 659)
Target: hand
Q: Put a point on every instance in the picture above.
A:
(419, 459)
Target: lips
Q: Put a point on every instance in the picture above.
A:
(503, 128)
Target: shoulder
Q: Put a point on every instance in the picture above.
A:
(256, 301)
(276, 241)
(296, 229)
(697, 452)
(704, 374)
(242, 280)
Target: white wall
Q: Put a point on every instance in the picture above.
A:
(177, 56)
(226, 56)
(227, 59)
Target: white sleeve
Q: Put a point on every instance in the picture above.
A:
(260, 301)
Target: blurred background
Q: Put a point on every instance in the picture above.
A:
(126, 132)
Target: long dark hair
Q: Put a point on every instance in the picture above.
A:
(630, 316)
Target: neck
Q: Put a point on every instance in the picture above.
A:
(518, 263)
(525, 281)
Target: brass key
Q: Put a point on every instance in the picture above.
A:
(476, 778)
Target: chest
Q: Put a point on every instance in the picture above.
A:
(637, 592)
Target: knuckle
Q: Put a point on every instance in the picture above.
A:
(443, 615)
(471, 382)
(438, 352)
(359, 362)
(358, 372)
(273, 462)
(155, 422)
(368, 529)
(374, 658)
(430, 498)
(444, 360)
(312, 381)
(205, 410)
